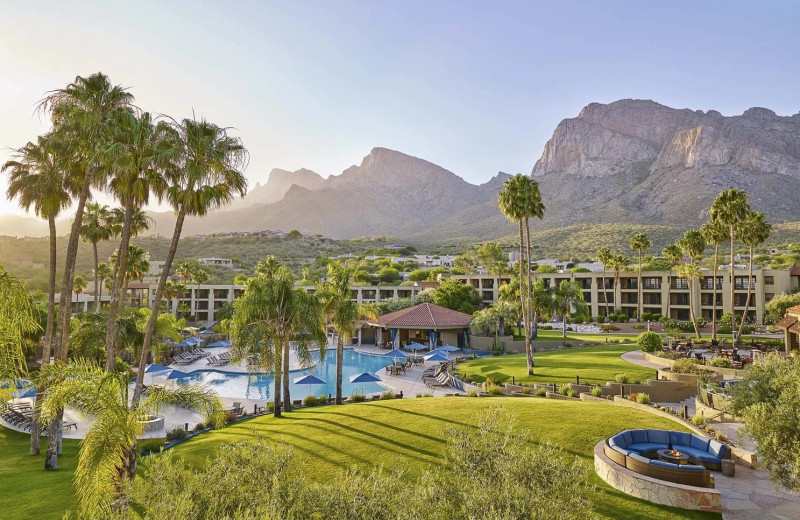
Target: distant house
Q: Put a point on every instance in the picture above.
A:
(222, 262)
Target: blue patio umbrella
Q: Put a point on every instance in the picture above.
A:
(155, 368)
(177, 374)
(436, 357)
(448, 348)
(416, 346)
(184, 343)
(364, 377)
(207, 332)
(308, 379)
(395, 354)
(219, 344)
(194, 341)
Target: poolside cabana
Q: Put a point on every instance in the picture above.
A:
(425, 323)
(791, 328)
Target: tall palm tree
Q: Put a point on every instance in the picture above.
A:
(512, 203)
(640, 243)
(604, 256)
(201, 276)
(101, 272)
(17, 319)
(542, 302)
(534, 208)
(568, 295)
(107, 457)
(714, 232)
(79, 284)
(729, 208)
(96, 227)
(690, 272)
(343, 311)
(504, 312)
(138, 265)
(754, 230)
(208, 175)
(37, 176)
(174, 291)
(185, 270)
(692, 245)
(142, 154)
(673, 255)
(617, 263)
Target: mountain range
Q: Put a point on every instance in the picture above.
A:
(631, 162)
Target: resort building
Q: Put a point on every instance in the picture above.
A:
(663, 292)
(425, 323)
(220, 262)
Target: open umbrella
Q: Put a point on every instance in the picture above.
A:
(207, 331)
(219, 344)
(448, 348)
(416, 346)
(364, 377)
(155, 368)
(308, 379)
(436, 357)
(396, 353)
(177, 374)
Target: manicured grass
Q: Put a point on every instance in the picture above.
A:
(410, 434)
(557, 335)
(28, 491)
(593, 364)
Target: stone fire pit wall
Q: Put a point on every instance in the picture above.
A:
(654, 490)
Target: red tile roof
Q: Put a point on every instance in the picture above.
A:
(795, 271)
(425, 316)
(786, 322)
(794, 310)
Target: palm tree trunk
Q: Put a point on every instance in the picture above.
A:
(605, 291)
(61, 343)
(156, 307)
(127, 473)
(525, 317)
(339, 363)
(714, 295)
(564, 321)
(639, 287)
(118, 287)
(691, 309)
(276, 398)
(287, 399)
(733, 279)
(534, 327)
(749, 292)
(96, 284)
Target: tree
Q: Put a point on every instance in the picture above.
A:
(543, 301)
(673, 255)
(185, 270)
(776, 307)
(417, 275)
(201, 276)
(455, 295)
(343, 312)
(604, 255)
(690, 272)
(753, 231)
(640, 243)
(107, 457)
(768, 401)
(503, 312)
(79, 284)
(729, 208)
(82, 114)
(208, 174)
(388, 275)
(17, 319)
(568, 295)
(714, 232)
(96, 227)
(648, 341)
(270, 314)
(617, 263)
(37, 175)
(101, 273)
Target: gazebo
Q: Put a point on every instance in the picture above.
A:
(424, 323)
(791, 328)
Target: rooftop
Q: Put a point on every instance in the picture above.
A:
(425, 316)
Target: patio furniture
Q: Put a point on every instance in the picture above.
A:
(728, 468)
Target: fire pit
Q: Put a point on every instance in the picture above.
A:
(152, 422)
(673, 456)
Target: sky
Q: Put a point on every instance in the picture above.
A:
(476, 87)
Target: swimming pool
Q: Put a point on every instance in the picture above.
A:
(260, 386)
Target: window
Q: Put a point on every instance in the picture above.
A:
(769, 280)
(681, 283)
(651, 283)
(768, 296)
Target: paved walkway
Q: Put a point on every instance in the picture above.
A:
(750, 495)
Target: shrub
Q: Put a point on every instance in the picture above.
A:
(358, 398)
(540, 392)
(720, 362)
(176, 434)
(621, 378)
(388, 395)
(563, 388)
(271, 406)
(606, 327)
(493, 390)
(151, 445)
(721, 437)
(648, 341)
(698, 420)
(310, 400)
(643, 398)
(638, 326)
(322, 399)
(567, 345)
(527, 390)
(685, 366)
(492, 381)
(199, 426)
(572, 393)
(472, 393)
(230, 416)
(710, 431)
(596, 391)
(725, 329)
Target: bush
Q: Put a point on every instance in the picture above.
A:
(358, 398)
(643, 398)
(492, 381)
(176, 434)
(540, 392)
(567, 345)
(151, 445)
(230, 416)
(493, 390)
(596, 391)
(621, 378)
(606, 327)
(572, 393)
(472, 393)
(725, 329)
(685, 366)
(649, 341)
(638, 326)
(271, 406)
(199, 426)
(698, 420)
(563, 388)
(310, 400)
(388, 395)
(720, 362)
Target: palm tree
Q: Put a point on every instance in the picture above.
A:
(604, 255)
(17, 318)
(617, 263)
(270, 313)
(107, 457)
(185, 270)
(503, 312)
(343, 311)
(568, 295)
(141, 153)
(79, 284)
(101, 272)
(201, 276)
(542, 302)
(714, 233)
(174, 291)
(729, 208)
(210, 174)
(640, 243)
(673, 255)
(534, 208)
(692, 245)
(138, 265)
(96, 227)
(754, 230)
(37, 177)
(690, 272)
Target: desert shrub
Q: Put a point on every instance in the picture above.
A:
(540, 392)
(720, 362)
(698, 420)
(358, 398)
(572, 393)
(176, 434)
(563, 388)
(310, 400)
(621, 378)
(567, 345)
(492, 381)
(493, 390)
(643, 398)
(596, 391)
(271, 406)
(230, 416)
(472, 393)
(385, 396)
(649, 341)
(685, 366)
(527, 390)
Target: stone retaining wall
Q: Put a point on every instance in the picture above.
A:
(654, 490)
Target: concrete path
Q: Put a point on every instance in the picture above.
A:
(637, 358)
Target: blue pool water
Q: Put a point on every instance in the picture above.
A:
(260, 386)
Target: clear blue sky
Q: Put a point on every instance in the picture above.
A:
(476, 87)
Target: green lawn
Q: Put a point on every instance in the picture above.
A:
(556, 335)
(28, 491)
(593, 364)
(406, 433)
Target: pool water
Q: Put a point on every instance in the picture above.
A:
(260, 386)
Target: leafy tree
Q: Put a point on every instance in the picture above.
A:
(545, 269)
(418, 275)
(754, 230)
(543, 303)
(362, 276)
(776, 307)
(648, 341)
(455, 295)
(426, 296)
(640, 243)
(568, 295)
(389, 275)
(17, 319)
